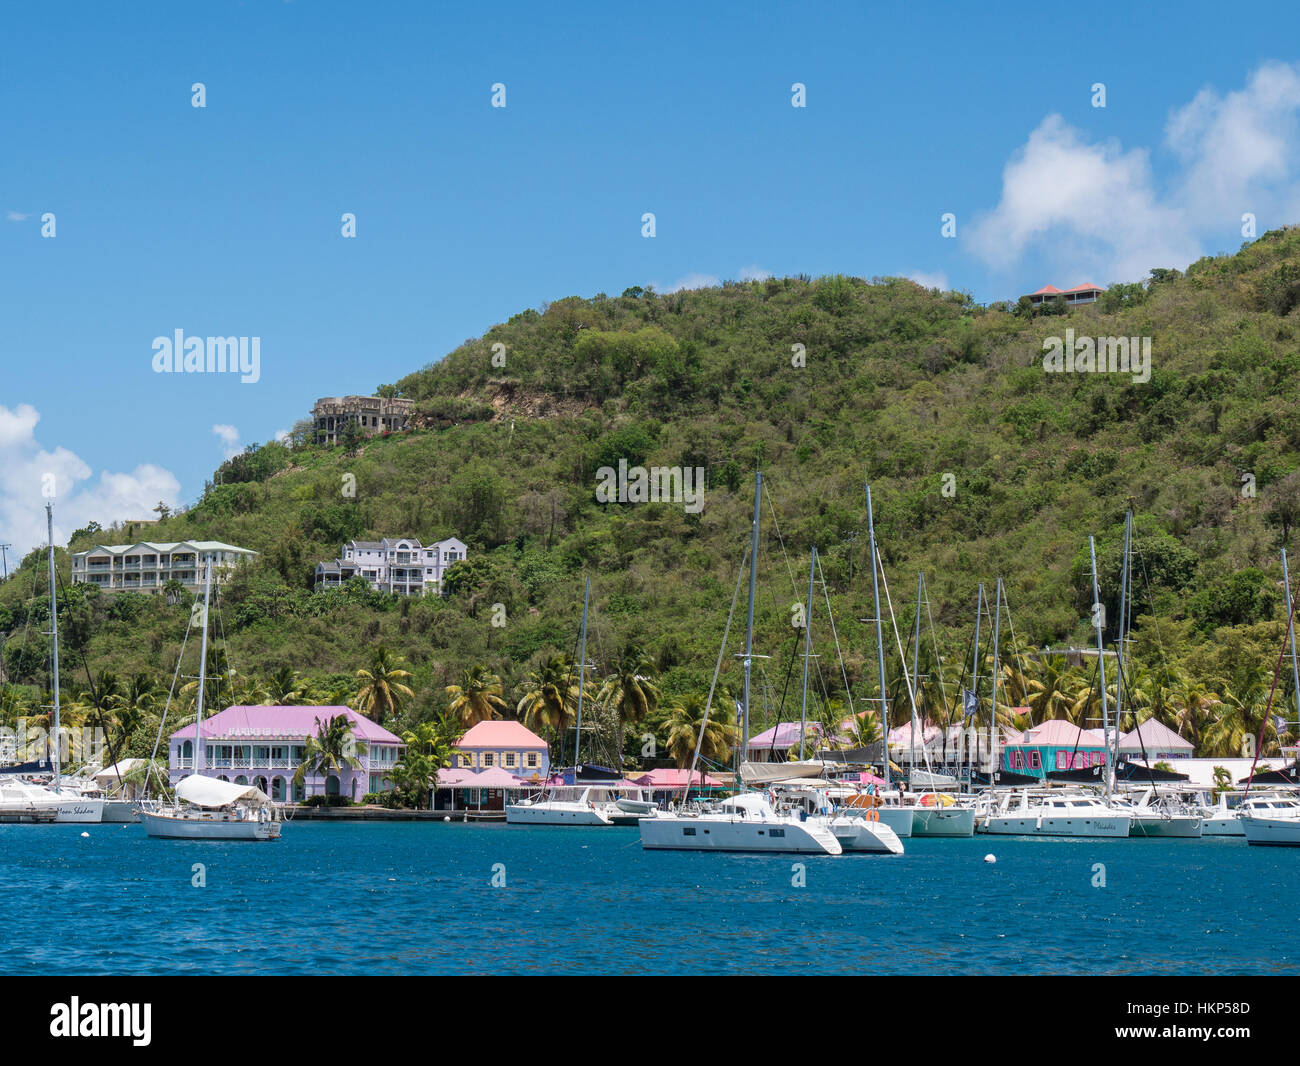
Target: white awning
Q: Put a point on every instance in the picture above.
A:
(210, 792)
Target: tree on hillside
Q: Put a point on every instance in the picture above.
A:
(686, 727)
(383, 686)
(630, 689)
(477, 698)
(550, 695)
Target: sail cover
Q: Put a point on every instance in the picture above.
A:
(210, 792)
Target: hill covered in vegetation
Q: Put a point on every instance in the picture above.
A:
(981, 465)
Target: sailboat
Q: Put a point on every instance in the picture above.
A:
(749, 821)
(206, 808)
(23, 801)
(596, 804)
(1056, 812)
(1274, 820)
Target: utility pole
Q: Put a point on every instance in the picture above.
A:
(5, 559)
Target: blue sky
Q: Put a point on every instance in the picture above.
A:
(225, 220)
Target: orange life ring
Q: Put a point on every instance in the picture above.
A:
(873, 815)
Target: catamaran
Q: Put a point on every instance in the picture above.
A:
(750, 821)
(1271, 820)
(23, 801)
(206, 808)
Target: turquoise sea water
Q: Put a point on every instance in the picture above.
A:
(418, 898)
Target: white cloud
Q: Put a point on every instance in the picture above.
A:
(282, 435)
(1096, 213)
(754, 273)
(16, 216)
(690, 281)
(229, 437)
(937, 280)
(27, 471)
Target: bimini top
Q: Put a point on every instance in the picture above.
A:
(210, 792)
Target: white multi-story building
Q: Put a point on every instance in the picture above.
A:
(402, 565)
(147, 566)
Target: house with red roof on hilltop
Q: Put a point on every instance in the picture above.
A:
(1080, 294)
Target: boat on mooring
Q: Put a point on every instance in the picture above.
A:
(207, 808)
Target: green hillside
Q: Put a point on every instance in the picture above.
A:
(901, 387)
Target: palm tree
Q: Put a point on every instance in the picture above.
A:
(426, 752)
(630, 690)
(550, 695)
(1050, 693)
(383, 686)
(1193, 706)
(332, 750)
(478, 697)
(285, 688)
(685, 718)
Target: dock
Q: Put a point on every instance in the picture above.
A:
(30, 814)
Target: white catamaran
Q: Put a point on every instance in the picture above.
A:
(207, 808)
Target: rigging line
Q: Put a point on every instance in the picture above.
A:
(1015, 646)
(94, 695)
(1268, 707)
(708, 703)
(848, 692)
(162, 722)
(934, 643)
(771, 506)
(902, 661)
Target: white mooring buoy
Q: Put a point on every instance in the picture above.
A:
(990, 858)
(85, 834)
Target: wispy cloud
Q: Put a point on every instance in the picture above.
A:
(229, 437)
(936, 280)
(1095, 211)
(16, 216)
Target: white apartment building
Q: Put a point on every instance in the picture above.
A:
(402, 566)
(147, 566)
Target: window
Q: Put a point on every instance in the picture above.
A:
(776, 832)
(1035, 763)
(689, 831)
(531, 759)
(508, 760)
(488, 756)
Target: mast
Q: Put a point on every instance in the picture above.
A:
(1101, 657)
(880, 639)
(993, 700)
(916, 682)
(1290, 615)
(807, 648)
(975, 674)
(203, 672)
(582, 675)
(54, 634)
(1123, 633)
(749, 617)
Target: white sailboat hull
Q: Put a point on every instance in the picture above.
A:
(556, 812)
(861, 835)
(1027, 823)
(1188, 826)
(1274, 832)
(671, 832)
(207, 825)
(943, 821)
(1222, 825)
(36, 803)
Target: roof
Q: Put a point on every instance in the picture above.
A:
(1086, 288)
(275, 722)
(503, 734)
(1154, 736)
(1062, 734)
(781, 735)
(1046, 290)
(494, 777)
(167, 546)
